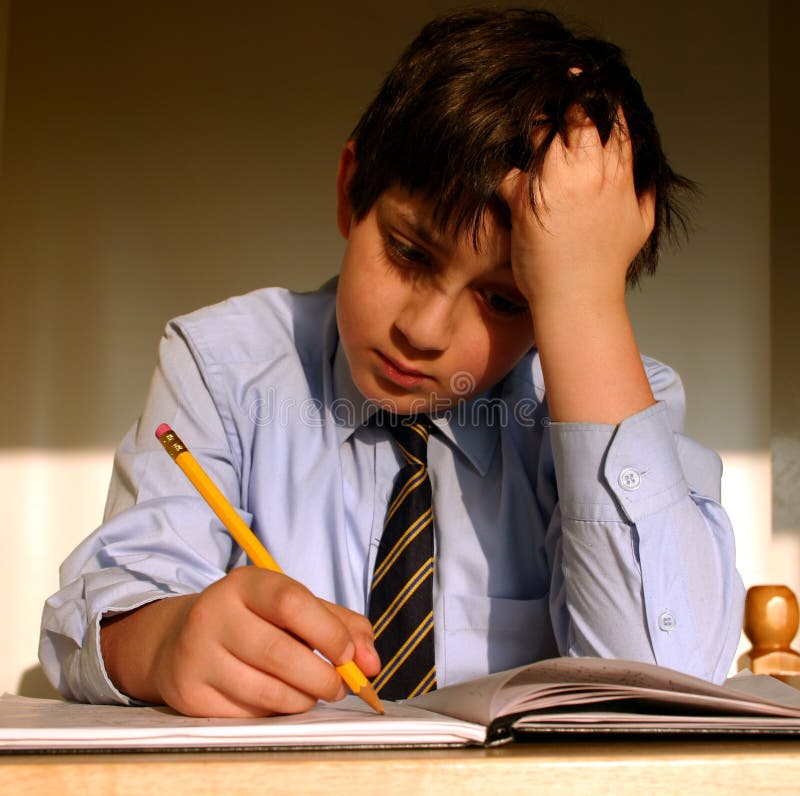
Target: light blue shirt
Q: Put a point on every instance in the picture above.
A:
(551, 538)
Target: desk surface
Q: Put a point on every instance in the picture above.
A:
(555, 767)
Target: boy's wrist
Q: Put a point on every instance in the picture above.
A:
(564, 287)
(591, 364)
(560, 308)
(131, 643)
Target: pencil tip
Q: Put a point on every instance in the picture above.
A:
(367, 693)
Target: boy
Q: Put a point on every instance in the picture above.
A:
(497, 196)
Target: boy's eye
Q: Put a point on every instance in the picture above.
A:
(404, 254)
(502, 305)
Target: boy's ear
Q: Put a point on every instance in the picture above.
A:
(347, 167)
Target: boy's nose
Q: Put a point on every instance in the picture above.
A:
(426, 321)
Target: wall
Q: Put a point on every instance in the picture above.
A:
(4, 9)
(707, 312)
(159, 156)
(785, 287)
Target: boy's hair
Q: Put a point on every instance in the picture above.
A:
(460, 109)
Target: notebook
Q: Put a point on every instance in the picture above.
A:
(560, 695)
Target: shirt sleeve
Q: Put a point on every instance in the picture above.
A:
(159, 538)
(642, 551)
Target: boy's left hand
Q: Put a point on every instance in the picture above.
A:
(589, 224)
(570, 259)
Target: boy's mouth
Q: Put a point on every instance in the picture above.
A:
(399, 374)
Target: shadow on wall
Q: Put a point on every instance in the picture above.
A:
(34, 683)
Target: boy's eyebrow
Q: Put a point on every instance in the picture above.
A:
(428, 235)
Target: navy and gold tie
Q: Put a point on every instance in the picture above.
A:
(401, 598)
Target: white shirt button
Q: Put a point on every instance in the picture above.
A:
(630, 479)
(666, 621)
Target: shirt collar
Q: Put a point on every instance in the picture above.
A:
(471, 427)
(349, 409)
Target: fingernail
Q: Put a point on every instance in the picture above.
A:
(371, 649)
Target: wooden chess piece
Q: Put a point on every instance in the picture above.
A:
(770, 622)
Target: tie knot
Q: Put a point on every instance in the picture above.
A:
(411, 434)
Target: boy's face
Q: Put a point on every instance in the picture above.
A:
(425, 319)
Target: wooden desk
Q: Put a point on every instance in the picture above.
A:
(621, 767)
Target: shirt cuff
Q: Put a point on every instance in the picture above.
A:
(612, 473)
(97, 685)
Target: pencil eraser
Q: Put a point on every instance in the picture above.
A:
(162, 429)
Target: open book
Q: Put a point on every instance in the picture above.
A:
(558, 695)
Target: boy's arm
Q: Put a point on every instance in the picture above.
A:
(242, 647)
(643, 562)
(570, 259)
(641, 552)
(146, 610)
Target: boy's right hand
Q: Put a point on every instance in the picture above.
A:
(242, 647)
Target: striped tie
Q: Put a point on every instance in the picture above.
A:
(401, 600)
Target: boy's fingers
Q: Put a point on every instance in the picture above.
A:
(541, 127)
(295, 623)
(621, 138)
(289, 605)
(514, 190)
(286, 604)
(511, 184)
(622, 124)
(227, 677)
(580, 129)
(576, 116)
(647, 207)
(275, 652)
(247, 691)
(366, 656)
(583, 139)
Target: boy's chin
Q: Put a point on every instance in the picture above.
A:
(395, 399)
(411, 404)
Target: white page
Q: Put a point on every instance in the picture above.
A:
(53, 724)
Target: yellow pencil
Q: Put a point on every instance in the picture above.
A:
(249, 542)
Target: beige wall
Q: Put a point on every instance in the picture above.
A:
(158, 156)
(4, 9)
(157, 160)
(785, 294)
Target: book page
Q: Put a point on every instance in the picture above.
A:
(474, 698)
(587, 682)
(53, 724)
(763, 686)
(557, 693)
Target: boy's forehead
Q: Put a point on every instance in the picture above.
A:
(416, 213)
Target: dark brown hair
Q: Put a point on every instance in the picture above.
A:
(458, 111)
